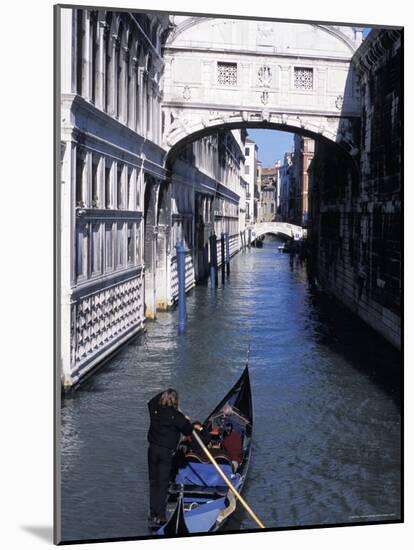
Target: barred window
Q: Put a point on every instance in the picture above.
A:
(303, 78)
(227, 74)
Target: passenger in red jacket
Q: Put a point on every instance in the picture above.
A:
(232, 444)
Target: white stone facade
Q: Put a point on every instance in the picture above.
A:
(248, 73)
(110, 134)
(123, 209)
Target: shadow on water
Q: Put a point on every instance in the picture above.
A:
(346, 335)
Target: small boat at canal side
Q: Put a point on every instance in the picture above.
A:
(199, 500)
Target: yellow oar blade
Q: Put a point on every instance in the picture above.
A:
(228, 483)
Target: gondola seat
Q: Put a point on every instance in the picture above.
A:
(222, 459)
(194, 457)
(202, 474)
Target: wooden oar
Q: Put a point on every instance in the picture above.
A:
(223, 475)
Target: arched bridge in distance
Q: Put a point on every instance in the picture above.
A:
(277, 228)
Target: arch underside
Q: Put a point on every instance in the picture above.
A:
(337, 131)
(275, 233)
(279, 228)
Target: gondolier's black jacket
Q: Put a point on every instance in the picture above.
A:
(167, 423)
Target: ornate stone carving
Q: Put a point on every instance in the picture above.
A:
(264, 97)
(339, 102)
(265, 33)
(265, 115)
(187, 93)
(265, 76)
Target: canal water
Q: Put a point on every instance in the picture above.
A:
(326, 406)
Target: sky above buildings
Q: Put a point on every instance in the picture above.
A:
(272, 144)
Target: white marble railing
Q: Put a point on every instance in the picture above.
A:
(102, 317)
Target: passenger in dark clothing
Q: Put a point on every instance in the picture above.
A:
(167, 424)
(205, 437)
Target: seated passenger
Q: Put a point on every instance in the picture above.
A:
(205, 437)
(232, 444)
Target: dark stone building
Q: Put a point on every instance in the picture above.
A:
(356, 218)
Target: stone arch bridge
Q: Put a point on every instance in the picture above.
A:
(278, 228)
(242, 73)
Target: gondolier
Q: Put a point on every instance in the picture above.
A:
(205, 488)
(167, 424)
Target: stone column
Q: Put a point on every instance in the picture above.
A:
(150, 252)
(100, 92)
(86, 56)
(321, 84)
(123, 58)
(101, 182)
(161, 269)
(150, 249)
(67, 51)
(112, 80)
(139, 101)
(284, 84)
(67, 232)
(132, 122)
(87, 179)
(163, 265)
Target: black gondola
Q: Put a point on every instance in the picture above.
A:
(199, 500)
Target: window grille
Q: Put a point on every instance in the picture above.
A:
(227, 74)
(303, 79)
